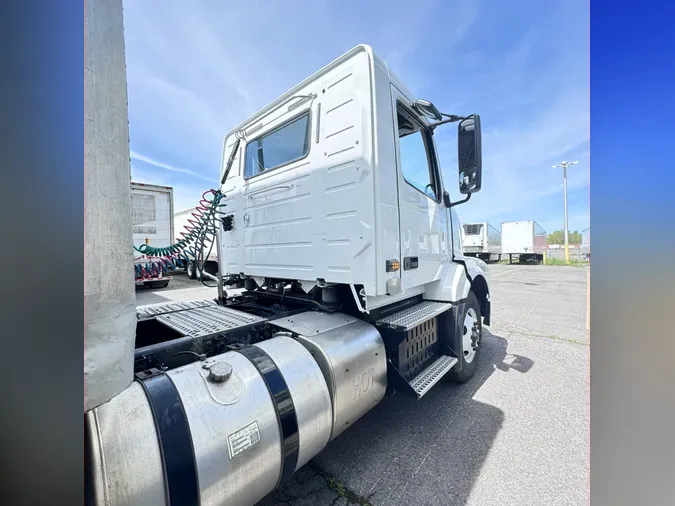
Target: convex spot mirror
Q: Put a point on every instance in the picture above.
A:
(427, 109)
(469, 159)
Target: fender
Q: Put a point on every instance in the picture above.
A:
(462, 275)
(478, 274)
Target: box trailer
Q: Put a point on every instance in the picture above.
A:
(184, 221)
(481, 240)
(527, 239)
(586, 243)
(152, 224)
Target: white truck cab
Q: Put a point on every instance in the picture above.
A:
(335, 221)
(338, 182)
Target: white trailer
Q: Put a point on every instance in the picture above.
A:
(183, 221)
(152, 224)
(337, 223)
(523, 238)
(482, 240)
(586, 243)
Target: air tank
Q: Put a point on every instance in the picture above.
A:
(109, 292)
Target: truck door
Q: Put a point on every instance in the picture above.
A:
(422, 216)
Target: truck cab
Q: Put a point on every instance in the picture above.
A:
(334, 219)
(338, 182)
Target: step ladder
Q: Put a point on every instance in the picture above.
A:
(410, 317)
(406, 328)
(423, 382)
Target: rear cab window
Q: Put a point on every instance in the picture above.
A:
(285, 144)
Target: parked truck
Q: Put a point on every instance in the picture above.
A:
(208, 260)
(482, 240)
(152, 222)
(338, 227)
(523, 238)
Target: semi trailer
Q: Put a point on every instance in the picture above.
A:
(481, 240)
(526, 239)
(153, 224)
(338, 231)
(586, 243)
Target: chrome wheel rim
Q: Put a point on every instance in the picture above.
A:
(471, 336)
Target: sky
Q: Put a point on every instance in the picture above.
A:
(196, 69)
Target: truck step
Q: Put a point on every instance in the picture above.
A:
(412, 316)
(423, 382)
(207, 320)
(152, 310)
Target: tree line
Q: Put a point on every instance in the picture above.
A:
(558, 237)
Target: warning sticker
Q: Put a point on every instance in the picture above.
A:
(243, 439)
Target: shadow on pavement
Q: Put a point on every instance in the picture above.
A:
(405, 451)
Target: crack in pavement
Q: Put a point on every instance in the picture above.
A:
(310, 486)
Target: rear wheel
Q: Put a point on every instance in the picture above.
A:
(191, 270)
(472, 334)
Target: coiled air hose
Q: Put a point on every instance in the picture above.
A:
(201, 228)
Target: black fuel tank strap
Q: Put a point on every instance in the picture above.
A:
(175, 441)
(283, 404)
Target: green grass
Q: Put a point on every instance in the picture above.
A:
(343, 492)
(549, 261)
(573, 262)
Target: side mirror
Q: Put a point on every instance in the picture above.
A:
(469, 158)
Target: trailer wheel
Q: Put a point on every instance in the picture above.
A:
(471, 340)
(191, 270)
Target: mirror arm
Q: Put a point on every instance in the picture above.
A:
(228, 165)
(453, 204)
(450, 118)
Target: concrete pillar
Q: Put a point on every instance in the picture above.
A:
(109, 292)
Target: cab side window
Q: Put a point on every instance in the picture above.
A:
(416, 165)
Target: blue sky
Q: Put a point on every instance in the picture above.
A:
(196, 69)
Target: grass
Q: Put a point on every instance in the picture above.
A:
(573, 262)
(550, 261)
(352, 498)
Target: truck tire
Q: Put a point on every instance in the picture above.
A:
(470, 353)
(191, 270)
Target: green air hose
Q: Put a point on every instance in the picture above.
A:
(200, 229)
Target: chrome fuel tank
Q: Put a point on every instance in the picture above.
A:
(351, 355)
(219, 432)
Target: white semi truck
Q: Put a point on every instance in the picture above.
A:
(481, 240)
(526, 239)
(339, 228)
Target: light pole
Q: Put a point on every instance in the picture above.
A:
(564, 166)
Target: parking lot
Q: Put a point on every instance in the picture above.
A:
(517, 433)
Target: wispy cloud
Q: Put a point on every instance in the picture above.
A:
(196, 69)
(161, 165)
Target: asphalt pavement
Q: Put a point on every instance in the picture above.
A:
(516, 433)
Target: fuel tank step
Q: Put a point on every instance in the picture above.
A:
(152, 310)
(207, 320)
(412, 316)
(423, 382)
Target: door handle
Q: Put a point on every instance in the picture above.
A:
(410, 263)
